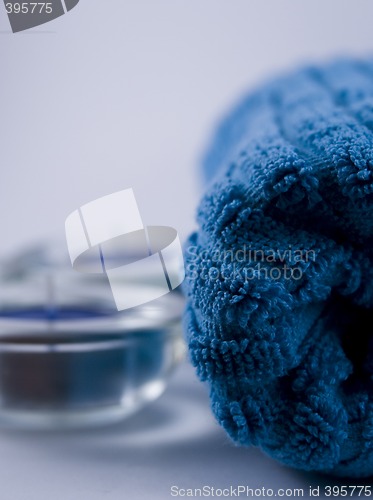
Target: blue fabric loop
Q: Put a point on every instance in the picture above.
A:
(287, 346)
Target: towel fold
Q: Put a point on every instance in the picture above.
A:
(279, 319)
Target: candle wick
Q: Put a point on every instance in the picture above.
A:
(51, 306)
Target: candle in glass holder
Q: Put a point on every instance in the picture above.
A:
(68, 357)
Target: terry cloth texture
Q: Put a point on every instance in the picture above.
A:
(279, 281)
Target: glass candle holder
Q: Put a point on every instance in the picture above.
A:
(68, 358)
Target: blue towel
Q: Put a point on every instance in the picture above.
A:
(279, 285)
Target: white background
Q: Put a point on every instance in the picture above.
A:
(126, 93)
(122, 94)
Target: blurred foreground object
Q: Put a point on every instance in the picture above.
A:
(68, 358)
(280, 276)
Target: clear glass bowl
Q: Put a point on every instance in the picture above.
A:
(68, 358)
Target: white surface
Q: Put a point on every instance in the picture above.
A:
(175, 441)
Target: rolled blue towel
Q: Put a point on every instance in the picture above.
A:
(279, 285)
